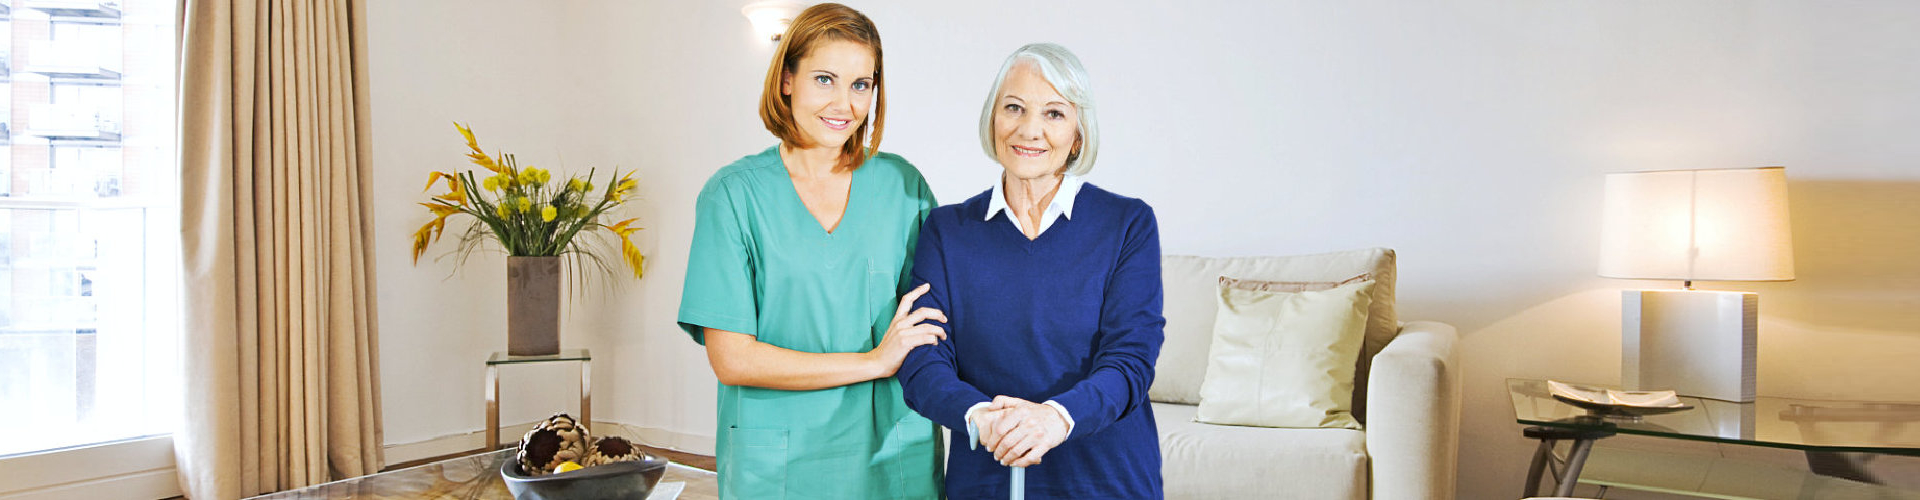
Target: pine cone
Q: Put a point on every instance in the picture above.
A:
(556, 440)
(611, 449)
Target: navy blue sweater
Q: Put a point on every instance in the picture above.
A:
(1073, 316)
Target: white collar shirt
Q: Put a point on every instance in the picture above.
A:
(1061, 206)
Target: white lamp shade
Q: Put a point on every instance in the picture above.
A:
(1697, 225)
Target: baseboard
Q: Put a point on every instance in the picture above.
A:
(454, 444)
(451, 444)
(154, 484)
(653, 436)
(137, 469)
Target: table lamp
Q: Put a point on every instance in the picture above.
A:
(1694, 225)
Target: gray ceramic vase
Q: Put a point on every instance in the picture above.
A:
(533, 306)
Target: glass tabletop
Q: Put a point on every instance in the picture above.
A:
(472, 477)
(1801, 424)
(502, 358)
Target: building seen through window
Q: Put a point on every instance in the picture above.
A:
(88, 222)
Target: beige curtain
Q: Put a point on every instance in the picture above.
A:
(279, 342)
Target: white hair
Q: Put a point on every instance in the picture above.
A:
(1063, 71)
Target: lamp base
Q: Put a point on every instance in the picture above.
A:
(1693, 342)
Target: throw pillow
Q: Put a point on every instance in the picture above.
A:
(1192, 286)
(1288, 286)
(1284, 358)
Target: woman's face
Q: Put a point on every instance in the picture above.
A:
(830, 91)
(1034, 128)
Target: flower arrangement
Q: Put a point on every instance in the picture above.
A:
(525, 210)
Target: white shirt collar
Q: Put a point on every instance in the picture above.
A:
(1062, 205)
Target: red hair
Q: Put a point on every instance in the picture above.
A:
(819, 24)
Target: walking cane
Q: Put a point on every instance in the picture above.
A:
(1017, 482)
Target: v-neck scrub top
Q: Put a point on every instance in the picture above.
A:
(762, 265)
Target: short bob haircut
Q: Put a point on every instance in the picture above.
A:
(1063, 71)
(818, 25)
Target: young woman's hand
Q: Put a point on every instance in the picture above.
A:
(907, 331)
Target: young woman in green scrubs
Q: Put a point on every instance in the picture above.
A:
(793, 284)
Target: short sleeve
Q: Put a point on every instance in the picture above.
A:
(720, 269)
(923, 204)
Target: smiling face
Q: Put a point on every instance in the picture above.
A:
(1035, 129)
(830, 91)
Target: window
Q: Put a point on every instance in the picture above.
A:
(89, 231)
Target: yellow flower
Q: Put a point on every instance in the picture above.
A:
(433, 177)
(534, 176)
(431, 231)
(517, 193)
(627, 251)
(478, 156)
(420, 240)
(625, 185)
(440, 213)
(459, 194)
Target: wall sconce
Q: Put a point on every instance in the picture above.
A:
(771, 17)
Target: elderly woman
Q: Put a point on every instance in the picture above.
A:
(798, 254)
(1052, 287)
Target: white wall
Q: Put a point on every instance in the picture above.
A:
(490, 65)
(1470, 136)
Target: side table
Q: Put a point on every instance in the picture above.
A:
(1832, 434)
(583, 356)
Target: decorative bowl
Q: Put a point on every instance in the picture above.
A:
(1627, 413)
(623, 480)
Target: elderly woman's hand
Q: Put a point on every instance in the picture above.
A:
(1023, 431)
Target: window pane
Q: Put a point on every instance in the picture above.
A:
(88, 223)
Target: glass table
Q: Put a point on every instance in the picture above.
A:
(582, 356)
(473, 477)
(1830, 433)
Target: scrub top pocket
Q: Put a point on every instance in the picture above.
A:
(757, 464)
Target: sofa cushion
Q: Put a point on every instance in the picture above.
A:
(1223, 461)
(1288, 286)
(1284, 359)
(1191, 284)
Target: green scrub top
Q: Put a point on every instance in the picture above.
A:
(763, 266)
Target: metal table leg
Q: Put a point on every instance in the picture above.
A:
(1543, 455)
(1581, 447)
(586, 393)
(493, 409)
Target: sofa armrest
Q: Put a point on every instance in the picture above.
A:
(1413, 413)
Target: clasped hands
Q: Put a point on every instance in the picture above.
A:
(1019, 432)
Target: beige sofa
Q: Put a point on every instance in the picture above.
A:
(1407, 395)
